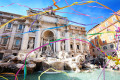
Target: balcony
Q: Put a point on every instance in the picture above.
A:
(16, 47)
(3, 46)
(7, 29)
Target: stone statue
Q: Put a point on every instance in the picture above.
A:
(48, 48)
(31, 44)
(63, 45)
(79, 58)
(66, 55)
(60, 55)
(39, 54)
(32, 55)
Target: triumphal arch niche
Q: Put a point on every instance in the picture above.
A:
(48, 36)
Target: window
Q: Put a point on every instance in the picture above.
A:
(103, 41)
(114, 19)
(93, 50)
(81, 28)
(0, 14)
(20, 27)
(17, 42)
(105, 47)
(9, 25)
(77, 46)
(71, 46)
(15, 54)
(111, 46)
(95, 37)
(97, 43)
(1, 56)
(75, 27)
(5, 39)
(12, 16)
(106, 24)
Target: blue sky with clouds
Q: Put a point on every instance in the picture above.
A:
(92, 11)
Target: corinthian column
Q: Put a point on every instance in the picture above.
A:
(12, 36)
(74, 44)
(25, 38)
(67, 42)
(58, 43)
(37, 38)
(81, 46)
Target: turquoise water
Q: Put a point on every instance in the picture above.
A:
(109, 75)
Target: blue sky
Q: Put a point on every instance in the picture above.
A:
(92, 11)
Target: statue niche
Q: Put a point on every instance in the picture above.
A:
(47, 37)
(63, 46)
(31, 43)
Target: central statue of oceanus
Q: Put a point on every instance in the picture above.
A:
(48, 50)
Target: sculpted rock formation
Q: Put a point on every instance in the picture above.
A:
(36, 62)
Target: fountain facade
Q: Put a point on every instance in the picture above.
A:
(60, 52)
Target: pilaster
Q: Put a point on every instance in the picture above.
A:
(58, 43)
(81, 46)
(74, 44)
(37, 38)
(14, 27)
(25, 37)
(67, 42)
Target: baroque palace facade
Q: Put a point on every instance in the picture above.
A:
(13, 42)
(108, 41)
